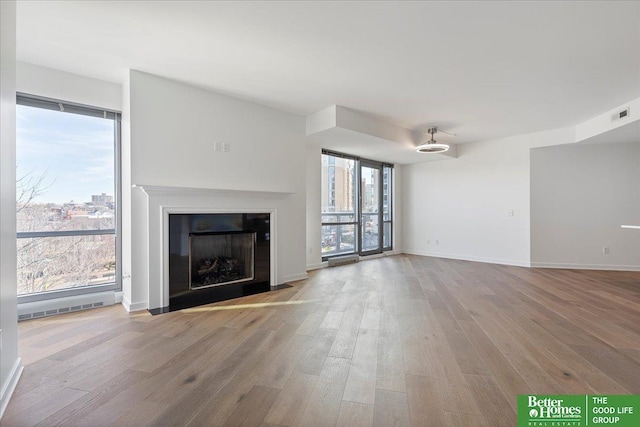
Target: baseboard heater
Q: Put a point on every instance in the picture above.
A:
(342, 260)
(37, 309)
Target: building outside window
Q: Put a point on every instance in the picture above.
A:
(338, 205)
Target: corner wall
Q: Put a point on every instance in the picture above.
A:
(126, 194)
(459, 208)
(10, 365)
(313, 205)
(580, 195)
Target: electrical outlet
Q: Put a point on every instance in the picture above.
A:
(605, 250)
(226, 147)
(509, 213)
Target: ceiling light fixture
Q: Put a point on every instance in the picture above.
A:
(432, 146)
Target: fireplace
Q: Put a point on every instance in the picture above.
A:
(217, 256)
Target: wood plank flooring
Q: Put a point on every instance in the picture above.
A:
(393, 341)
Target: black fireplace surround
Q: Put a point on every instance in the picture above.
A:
(216, 257)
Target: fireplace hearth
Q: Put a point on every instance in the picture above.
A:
(215, 257)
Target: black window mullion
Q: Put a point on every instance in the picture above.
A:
(64, 233)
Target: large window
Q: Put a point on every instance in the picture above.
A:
(67, 204)
(356, 205)
(339, 205)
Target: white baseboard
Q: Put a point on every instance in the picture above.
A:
(295, 277)
(10, 385)
(118, 297)
(137, 306)
(393, 252)
(572, 266)
(317, 266)
(381, 255)
(469, 258)
(569, 266)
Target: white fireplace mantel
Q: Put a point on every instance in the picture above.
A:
(160, 190)
(161, 201)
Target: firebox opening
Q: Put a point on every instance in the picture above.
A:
(221, 258)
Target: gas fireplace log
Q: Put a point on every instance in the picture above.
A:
(203, 267)
(219, 269)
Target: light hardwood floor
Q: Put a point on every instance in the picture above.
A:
(402, 340)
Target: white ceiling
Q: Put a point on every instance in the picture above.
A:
(480, 69)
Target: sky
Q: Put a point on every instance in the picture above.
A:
(74, 152)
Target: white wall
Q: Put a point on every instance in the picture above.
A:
(10, 366)
(173, 130)
(125, 193)
(458, 208)
(50, 83)
(580, 195)
(313, 205)
(174, 127)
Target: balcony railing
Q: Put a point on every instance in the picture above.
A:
(339, 233)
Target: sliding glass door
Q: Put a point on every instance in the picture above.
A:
(339, 205)
(356, 205)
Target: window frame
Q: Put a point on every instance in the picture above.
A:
(390, 220)
(36, 101)
(358, 204)
(356, 237)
